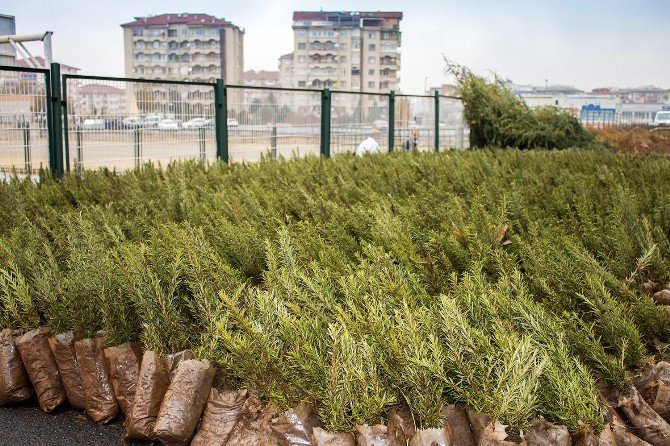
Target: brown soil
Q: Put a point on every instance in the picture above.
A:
(639, 139)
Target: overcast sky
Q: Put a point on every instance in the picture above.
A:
(586, 43)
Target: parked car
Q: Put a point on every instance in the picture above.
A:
(380, 124)
(151, 121)
(93, 124)
(168, 124)
(195, 123)
(232, 122)
(662, 118)
(114, 124)
(132, 122)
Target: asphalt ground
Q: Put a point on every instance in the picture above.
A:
(25, 424)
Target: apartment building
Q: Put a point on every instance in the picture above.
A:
(193, 47)
(357, 51)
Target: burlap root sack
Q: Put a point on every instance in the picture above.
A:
(124, 368)
(173, 360)
(622, 435)
(321, 437)
(221, 413)
(62, 347)
(42, 369)
(432, 437)
(487, 432)
(100, 404)
(647, 423)
(253, 427)
(14, 381)
(152, 383)
(661, 372)
(457, 419)
(400, 427)
(657, 394)
(184, 402)
(544, 433)
(604, 438)
(372, 435)
(295, 426)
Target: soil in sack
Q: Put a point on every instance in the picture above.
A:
(14, 381)
(432, 437)
(647, 423)
(62, 347)
(152, 383)
(400, 427)
(173, 360)
(372, 435)
(461, 432)
(124, 368)
(657, 394)
(321, 437)
(622, 435)
(253, 427)
(221, 413)
(184, 402)
(604, 438)
(544, 433)
(42, 369)
(101, 404)
(295, 426)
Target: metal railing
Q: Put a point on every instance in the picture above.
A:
(75, 122)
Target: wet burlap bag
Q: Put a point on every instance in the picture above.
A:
(432, 437)
(544, 433)
(457, 419)
(295, 426)
(221, 413)
(321, 437)
(14, 381)
(400, 427)
(101, 404)
(622, 435)
(184, 402)
(253, 427)
(486, 431)
(647, 424)
(62, 347)
(41, 367)
(657, 394)
(372, 435)
(173, 360)
(604, 438)
(152, 383)
(124, 368)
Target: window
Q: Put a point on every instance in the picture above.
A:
(371, 84)
(355, 72)
(343, 46)
(355, 58)
(301, 59)
(302, 32)
(343, 59)
(343, 72)
(156, 44)
(138, 32)
(372, 47)
(371, 72)
(302, 46)
(372, 35)
(343, 34)
(356, 46)
(372, 60)
(343, 83)
(172, 33)
(184, 32)
(302, 84)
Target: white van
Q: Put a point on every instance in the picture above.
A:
(662, 118)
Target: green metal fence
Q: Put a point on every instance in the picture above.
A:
(74, 122)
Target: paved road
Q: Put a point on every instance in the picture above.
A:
(27, 425)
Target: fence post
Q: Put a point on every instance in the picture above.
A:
(25, 126)
(201, 137)
(56, 148)
(79, 167)
(391, 125)
(325, 123)
(138, 147)
(221, 120)
(66, 126)
(273, 142)
(437, 121)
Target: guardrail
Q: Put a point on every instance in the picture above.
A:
(76, 122)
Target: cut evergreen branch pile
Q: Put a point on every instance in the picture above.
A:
(506, 281)
(499, 118)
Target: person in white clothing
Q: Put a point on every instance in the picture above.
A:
(370, 145)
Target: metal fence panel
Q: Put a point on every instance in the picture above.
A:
(121, 124)
(24, 132)
(414, 123)
(272, 122)
(355, 117)
(454, 131)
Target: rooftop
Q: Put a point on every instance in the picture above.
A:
(262, 75)
(40, 64)
(343, 16)
(99, 89)
(184, 18)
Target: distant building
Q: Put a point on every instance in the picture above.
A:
(7, 28)
(261, 78)
(357, 51)
(100, 100)
(64, 69)
(194, 47)
(286, 70)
